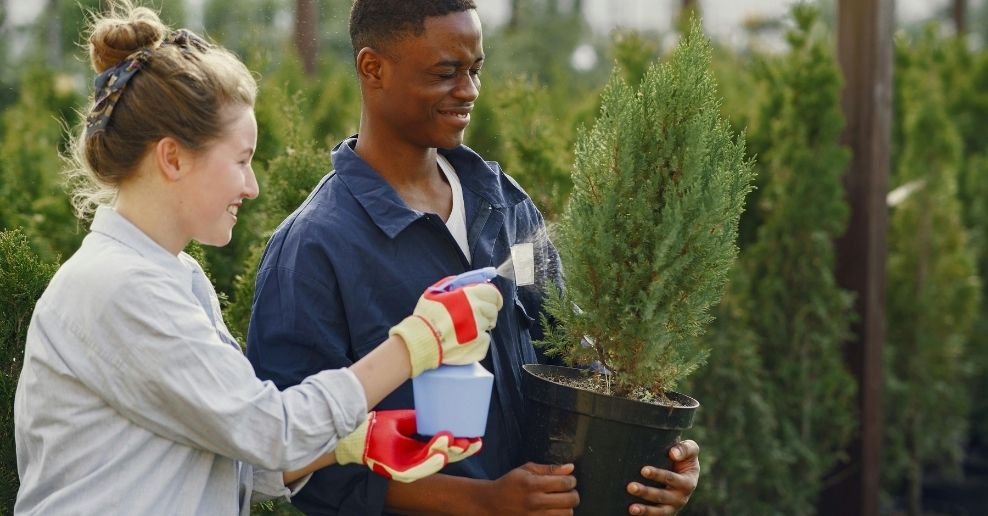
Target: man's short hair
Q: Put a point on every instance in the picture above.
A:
(377, 23)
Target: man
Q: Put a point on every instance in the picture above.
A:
(407, 205)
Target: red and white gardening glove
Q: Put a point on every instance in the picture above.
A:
(449, 327)
(385, 443)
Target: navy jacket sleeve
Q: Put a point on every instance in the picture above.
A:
(297, 328)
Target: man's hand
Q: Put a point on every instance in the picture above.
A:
(450, 327)
(678, 483)
(541, 489)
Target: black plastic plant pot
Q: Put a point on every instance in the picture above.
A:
(607, 438)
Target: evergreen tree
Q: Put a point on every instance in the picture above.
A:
(23, 277)
(748, 105)
(539, 44)
(633, 53)
(933, 287)
(649, 234)
(513, 128)
(290, 178)
(799, 315)
(744, 462)
(775, 392)
(290, 110)
(254, 25)
(30, 171)
(974, 185)
(966, 73)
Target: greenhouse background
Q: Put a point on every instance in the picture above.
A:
(783, 428)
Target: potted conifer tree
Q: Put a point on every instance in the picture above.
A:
(647, 241)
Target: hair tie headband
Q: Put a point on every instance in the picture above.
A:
(109, 86)
(187, 40)
(110, 83)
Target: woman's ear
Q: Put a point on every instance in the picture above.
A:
(171, 158)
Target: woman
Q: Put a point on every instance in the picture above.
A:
(134, 398)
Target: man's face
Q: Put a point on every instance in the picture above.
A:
(434, 81)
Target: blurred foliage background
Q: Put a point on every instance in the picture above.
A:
(778, 403)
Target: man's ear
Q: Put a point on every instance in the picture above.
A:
(171, 158)
(370, 67)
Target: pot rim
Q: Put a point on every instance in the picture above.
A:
(548, 392)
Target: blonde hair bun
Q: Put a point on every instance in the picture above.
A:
(115, 37)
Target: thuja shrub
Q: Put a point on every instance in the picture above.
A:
(633, 53)
(778, 371)
(974, 185)
(744, 464)
(23, 277)
(648, 237)
(966, 71)
(800, 317)
(513, 127)
(30, 182)
(933, 289)
(290, 177)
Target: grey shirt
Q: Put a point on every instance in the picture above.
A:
(135, 399)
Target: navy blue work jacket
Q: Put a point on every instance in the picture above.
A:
(353, 260)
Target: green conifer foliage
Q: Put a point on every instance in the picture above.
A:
(649, 235)
(744, 462)
(933, 289)
(800, 317)
(30, 171)
(966, 73)
(633, 53)
(335, 111)
(289, 178)
(23, 277)
(974, 185)
(515, 129)
(775, 392)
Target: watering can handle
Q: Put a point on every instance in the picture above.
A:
(467, 278)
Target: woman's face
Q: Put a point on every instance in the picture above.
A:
(221, 178)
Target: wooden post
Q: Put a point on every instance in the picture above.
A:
(307, 33)
(514, 21)
(865, 55)
(960, 16)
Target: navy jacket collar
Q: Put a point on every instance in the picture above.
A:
(382, 203)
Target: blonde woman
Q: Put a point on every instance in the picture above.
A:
(134, 398)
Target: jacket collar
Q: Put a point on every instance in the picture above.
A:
(108, 222)
(483, 179)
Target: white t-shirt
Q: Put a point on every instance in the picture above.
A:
(457, 222)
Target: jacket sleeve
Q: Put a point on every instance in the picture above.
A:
(298, 326)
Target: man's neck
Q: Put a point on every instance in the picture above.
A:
(412, 171)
